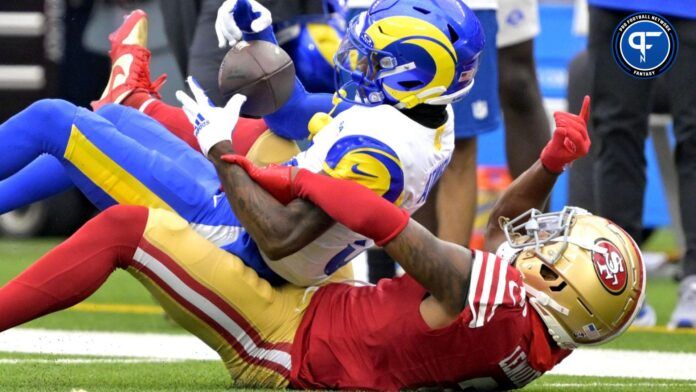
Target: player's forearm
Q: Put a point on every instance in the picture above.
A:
(442, 268)
(263, 35)
(278, 230)
(291, 120)
(530, 190)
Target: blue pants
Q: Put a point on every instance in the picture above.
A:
(119, 156)
(479, 111)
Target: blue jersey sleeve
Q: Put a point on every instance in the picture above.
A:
(263, 35)
(243, 16)
(292, 119)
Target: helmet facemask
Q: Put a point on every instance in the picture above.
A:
(536, 229)
(360, 68)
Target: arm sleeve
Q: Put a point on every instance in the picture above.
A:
(244, 15)
(263, 35)
(292, 119)
(352, 205)
(368, 162)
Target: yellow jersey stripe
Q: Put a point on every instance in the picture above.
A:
(108, 175)
(438, 137)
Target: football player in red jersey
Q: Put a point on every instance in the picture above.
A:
(460, 318)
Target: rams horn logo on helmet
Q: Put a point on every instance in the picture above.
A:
(610, 267)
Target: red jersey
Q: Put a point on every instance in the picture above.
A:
(375, 337)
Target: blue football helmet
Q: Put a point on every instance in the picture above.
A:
(336, 7)
(408, 52)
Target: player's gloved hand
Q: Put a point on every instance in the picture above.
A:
(211, 123)
(237, 16)
(275, 179)
(569, 141)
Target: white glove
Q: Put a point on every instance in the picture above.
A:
(211, 123)
(226, 27)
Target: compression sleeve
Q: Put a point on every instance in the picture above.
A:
(263, 35)
(292, 119)
(348, 203)
(352, 205)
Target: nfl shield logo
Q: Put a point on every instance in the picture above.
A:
(479, 109)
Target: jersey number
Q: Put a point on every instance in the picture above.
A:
(344, 256)
(432, 180)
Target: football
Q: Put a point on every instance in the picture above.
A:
(260, 70)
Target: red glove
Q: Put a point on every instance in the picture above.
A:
(348, 203)
(275, 179)
(352, 205)
(569, 141)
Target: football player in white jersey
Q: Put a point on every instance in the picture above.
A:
(399, 67)
(397, 70)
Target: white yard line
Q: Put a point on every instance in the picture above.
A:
(162, 348)
(80, 361)
(105, 344)
(630, 385)
(628, 363)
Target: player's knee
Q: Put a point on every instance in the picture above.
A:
(123, 223)
(52, 113)
(112, 112)
(119, 214)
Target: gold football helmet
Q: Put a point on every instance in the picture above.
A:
(584, 274)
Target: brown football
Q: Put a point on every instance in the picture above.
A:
(261, 71)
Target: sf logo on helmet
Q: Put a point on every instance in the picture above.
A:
(610, 267)
(644, 45)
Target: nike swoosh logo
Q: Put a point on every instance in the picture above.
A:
(357, 170)
(121, 69)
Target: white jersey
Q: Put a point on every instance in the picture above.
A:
(382, 149)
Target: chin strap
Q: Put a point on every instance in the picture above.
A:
(581, 244)
(541, 302)
(422, 97)
(320, 119)
(447, 99)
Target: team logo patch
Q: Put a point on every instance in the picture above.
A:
(610, 267)
(515, 17)
(645, 45)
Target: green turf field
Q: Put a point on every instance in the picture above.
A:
(123, 305)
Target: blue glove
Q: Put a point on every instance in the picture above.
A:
(236, 17)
